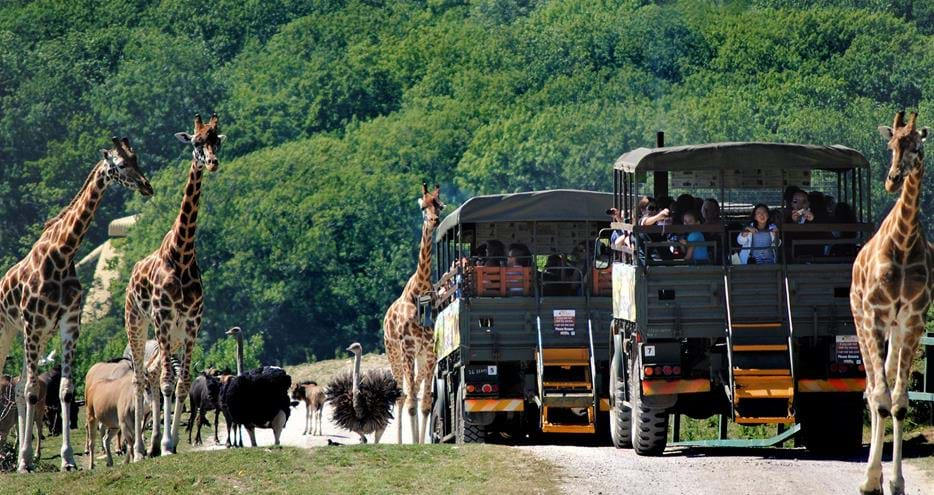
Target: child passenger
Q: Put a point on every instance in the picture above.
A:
(693, 254)
(758, 238)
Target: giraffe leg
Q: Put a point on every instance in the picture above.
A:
(872, 356)
(426, 377)
(906, 353)
(164, 323)
(411, 393)
(70, 324)
(397, 367)
(136, 335)
(27, 399)
(881, 396)
(184, 380)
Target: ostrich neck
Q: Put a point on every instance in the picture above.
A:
(356, 373)
(239, 355)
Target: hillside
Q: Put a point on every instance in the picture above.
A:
(336, 111)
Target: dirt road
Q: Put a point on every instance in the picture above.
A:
(606, 470)
(698, 471)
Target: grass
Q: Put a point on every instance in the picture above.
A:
(371, 469)
(322, 371)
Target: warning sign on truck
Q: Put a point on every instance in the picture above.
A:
(848, 350)
(564, 321)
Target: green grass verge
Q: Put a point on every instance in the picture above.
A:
(371, 469)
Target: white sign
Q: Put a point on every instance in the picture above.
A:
(564, 321)
(491, 370)
(649, 351)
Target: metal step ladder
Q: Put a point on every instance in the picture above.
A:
(761, 368)
(566, 387)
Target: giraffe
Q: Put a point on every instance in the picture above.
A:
(165, 289)
(890, 295)
(42, 292)
(407, 341)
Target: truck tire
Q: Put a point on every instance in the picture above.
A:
(832, 424)
(649, 425)
(620, 415)
(463, 431)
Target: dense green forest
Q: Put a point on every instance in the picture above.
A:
(336, 111)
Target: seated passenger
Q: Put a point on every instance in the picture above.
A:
(518, 255)
(648, 216)
(710, 210)
(759, 238)
(800, 210)
(693, 254)
(491, 253)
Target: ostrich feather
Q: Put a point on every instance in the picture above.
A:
(371, 408)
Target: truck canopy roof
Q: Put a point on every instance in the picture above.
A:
(558, 205)
(741, 156)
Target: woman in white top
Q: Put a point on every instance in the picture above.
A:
(758, 239)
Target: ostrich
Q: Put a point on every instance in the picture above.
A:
(363, 404)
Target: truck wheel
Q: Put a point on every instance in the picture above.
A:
(649, 425)
(464, 432)
(832, 424)
(620, 415)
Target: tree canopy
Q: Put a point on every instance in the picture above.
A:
(336, 111)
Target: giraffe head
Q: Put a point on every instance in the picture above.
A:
(122, 166)
(431, 205)
(907, 145)
(206, 142)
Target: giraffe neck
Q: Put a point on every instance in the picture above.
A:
(181, 239)
(420, 282)
(902, 225)
(68, 228)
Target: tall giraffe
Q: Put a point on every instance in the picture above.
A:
(165, 289)
(890, 295)
(407, 341)
(42, 292)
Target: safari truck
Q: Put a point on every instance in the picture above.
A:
(771, 342)
(522, 317)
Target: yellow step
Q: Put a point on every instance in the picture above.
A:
(757, 372)
(775, 420)
(760, 348)
(566, 356)
(764, 387)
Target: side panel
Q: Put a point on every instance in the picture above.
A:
(683, 302)
(820, 299)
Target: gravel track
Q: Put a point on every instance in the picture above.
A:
(703, 471)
